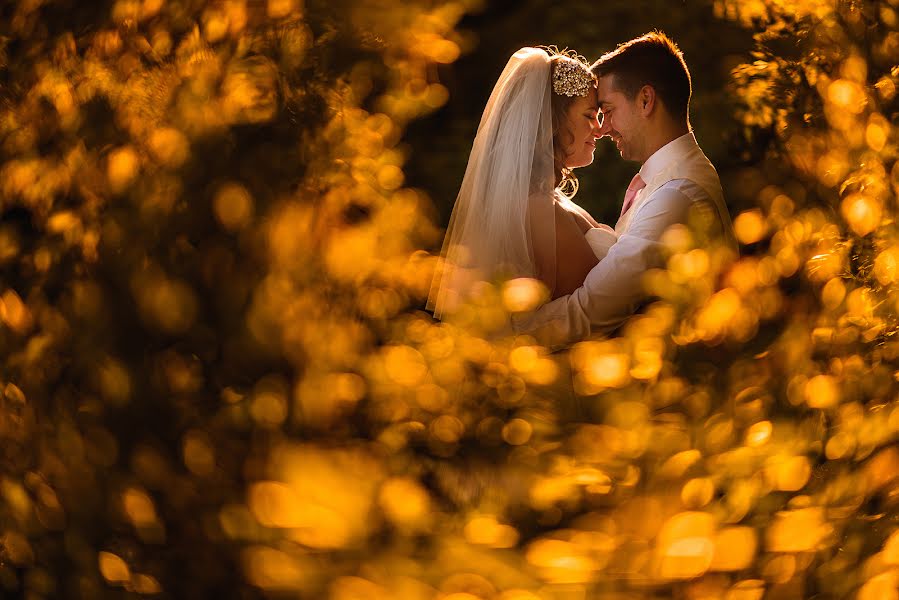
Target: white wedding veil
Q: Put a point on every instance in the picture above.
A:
(503, 222)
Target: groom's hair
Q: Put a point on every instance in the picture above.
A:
(651, 59)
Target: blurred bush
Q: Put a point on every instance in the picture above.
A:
(216, 380)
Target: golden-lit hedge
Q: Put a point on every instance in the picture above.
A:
(217, 380)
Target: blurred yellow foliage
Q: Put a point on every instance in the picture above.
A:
(798, 530)
(272, 569)
(406, 504)
(214, 344)
(113, 568)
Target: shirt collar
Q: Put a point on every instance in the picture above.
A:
(662, 158)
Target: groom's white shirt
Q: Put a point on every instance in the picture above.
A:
(677, 176)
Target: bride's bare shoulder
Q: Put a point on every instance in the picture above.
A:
(566, 207)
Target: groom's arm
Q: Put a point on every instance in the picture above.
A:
(613, 289)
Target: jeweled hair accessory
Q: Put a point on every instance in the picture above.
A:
(571, 77)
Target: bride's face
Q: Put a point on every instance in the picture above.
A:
(583, 129)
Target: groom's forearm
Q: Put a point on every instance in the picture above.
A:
(554, 324)
(607, 298)
(613, 289)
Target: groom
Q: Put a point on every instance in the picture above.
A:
(644, 96)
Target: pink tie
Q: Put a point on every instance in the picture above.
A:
(636, 185)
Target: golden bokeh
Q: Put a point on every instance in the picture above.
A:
(798, 530)
(735, 548)
(750, 226)
(406, 504)
(272, 569)
(219, 376)
(685, 546)
(233, 206)
(113, 568)
(523, 294)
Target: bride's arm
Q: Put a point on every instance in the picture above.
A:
(588, 222)
(585, 216)
(584, 219)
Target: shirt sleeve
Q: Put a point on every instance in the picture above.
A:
(613, 289)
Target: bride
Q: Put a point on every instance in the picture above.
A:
(514, 216)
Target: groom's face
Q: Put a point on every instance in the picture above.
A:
(620, 119)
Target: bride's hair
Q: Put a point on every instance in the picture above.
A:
(566, 180)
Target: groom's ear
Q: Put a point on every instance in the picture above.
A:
(646, 100)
